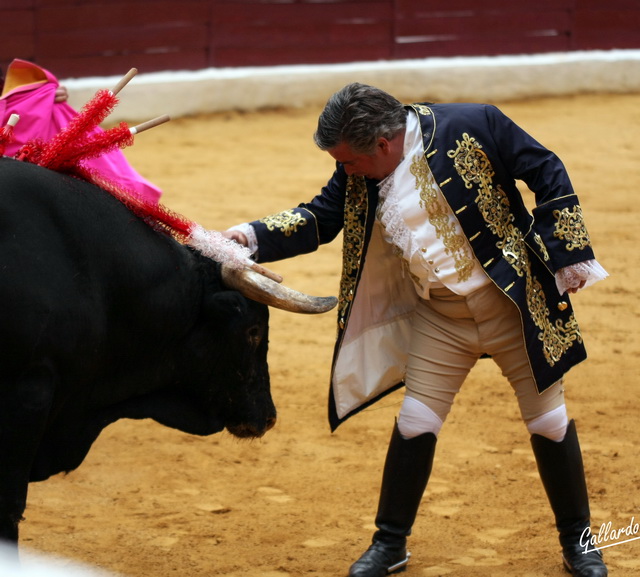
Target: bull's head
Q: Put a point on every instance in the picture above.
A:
(249, 410)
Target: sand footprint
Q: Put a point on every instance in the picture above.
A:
(435, 571)
(437, 487)
(445, 507)
(628, 563)
(215, 508)
(319, 542)
(275, 495)
(369, 523)
(479, 558)
(256, 573)
(164, 542)
(496, 535)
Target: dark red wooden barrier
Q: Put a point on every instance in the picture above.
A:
(107, 37)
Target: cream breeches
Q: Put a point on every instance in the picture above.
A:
(449, 334)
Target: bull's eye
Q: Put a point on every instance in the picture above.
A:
(253, 336)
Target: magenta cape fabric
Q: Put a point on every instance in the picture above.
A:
(41, 117)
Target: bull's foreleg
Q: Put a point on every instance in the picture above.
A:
(23, 416)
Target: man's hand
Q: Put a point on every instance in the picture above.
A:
(572, 278)
(575, 289)
(236, 235)
(61, 94)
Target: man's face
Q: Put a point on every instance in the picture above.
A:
(384, 160)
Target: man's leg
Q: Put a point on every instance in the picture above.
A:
(562, 473)
(406, 472)
(439, 361)
(553, 438)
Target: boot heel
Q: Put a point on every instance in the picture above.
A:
(400, 566)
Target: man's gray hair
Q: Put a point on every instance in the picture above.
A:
(359, 115)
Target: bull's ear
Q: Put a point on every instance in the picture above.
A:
(225, 305)
(262, 289)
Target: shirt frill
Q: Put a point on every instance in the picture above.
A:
(571, 276)
(396, 230)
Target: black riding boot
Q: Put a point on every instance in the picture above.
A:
(406, 472)
(562, 474)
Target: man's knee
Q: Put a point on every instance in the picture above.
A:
(416, 419)
(552, 424)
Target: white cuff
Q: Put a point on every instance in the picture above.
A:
(250, 233)
(571, 276)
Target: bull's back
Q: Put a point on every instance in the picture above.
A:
(80, 275)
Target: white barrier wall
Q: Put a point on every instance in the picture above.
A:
(34, 564)
(478, 79)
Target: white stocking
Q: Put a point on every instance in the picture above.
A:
(416, 418)
(552, 425)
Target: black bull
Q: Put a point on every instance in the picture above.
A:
(104, 317)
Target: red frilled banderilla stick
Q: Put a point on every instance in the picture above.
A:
(6, 132)
(211, 243)
(78, 141)
(58, 152)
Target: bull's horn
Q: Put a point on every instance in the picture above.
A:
(259, 288)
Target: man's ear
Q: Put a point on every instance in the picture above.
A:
(384, 145)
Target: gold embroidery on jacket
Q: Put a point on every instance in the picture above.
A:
(422, 109)
(473, 166)
(286, 221)
(454, 244)
(355, 211)
(570, 227)
(543, 248)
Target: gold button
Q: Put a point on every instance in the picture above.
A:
(562, 306)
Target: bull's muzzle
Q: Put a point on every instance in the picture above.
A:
(247, 431)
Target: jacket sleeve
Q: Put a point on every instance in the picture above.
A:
(558, 217)
(303, 229)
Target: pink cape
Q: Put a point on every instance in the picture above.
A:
(29, 91)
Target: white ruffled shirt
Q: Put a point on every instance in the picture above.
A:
(435, 248)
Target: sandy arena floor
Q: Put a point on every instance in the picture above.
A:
(153, 502)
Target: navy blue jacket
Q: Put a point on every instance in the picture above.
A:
(476, 154)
